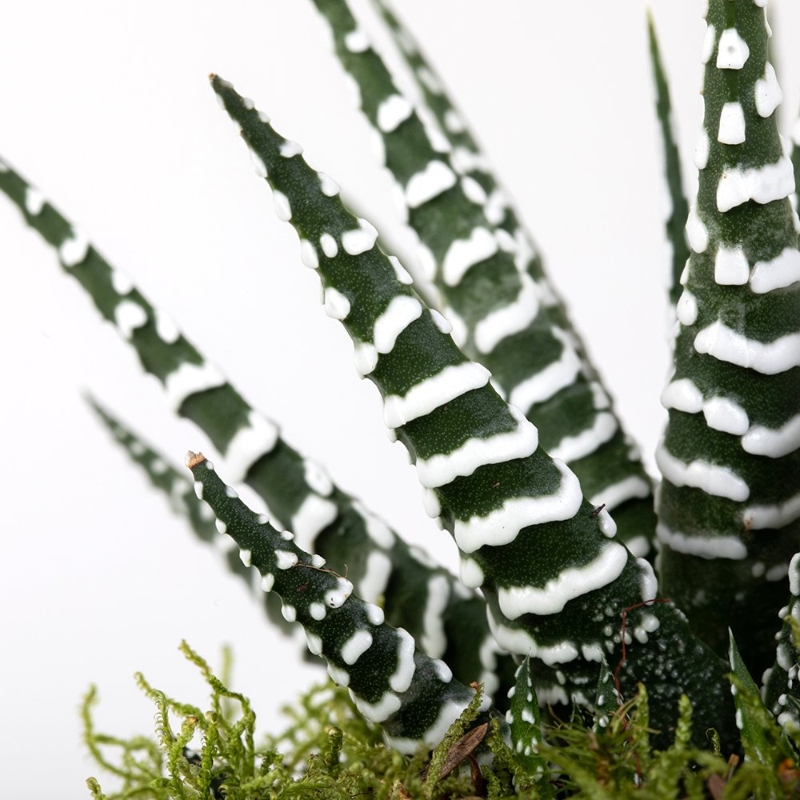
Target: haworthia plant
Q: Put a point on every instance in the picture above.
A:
(512, 434)
(729, 507)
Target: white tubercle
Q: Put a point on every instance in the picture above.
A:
(458, 328)
(774, 515)
(768, 93)
(682, 395)
(571, 583)
(282, 206)
(731, 124)
(317, 611)
(433, 640)
(441, 388)
(258, 164)
(356, 646)
(34, 201)
(401, 678)
(733, 51)
(502, 525)
(289, 613)
(779, 272)
(496, 205)
(308, 254)
(762, 184)
(696, 231)
(328, 185)
(471, 573)
(334, 598)
(731, 267)
(709, 40)
(316, 477)
(253, 440)
(572, 448)
(430, 502)
(336, 305)
(392, 112)
(329, 246)
(356, 41)
(290, 149)
(768, 358)
(376, 576)
(606, 523)
(366, 358)
(464, 254)
(314, 515)
(617, 493)
(394, 319)
(703, 546)
(442, 323)
(361, 239)
(190, 379)
(510, 319)
(701, 150)
(267, 582)
(773, 442)
(400, 271)
(338, 676)
(285, 559)
(725, 414)
(221, 526)
(686, 308)
(430, 80)
(314, 643)
(121, 282)
(166, 329)
(648, 581)
(73, 251)
(711, 478)
(794, 575)
(128, 316)
(375, 614)
(474, 191)
(453, 122)
(430, 182)
(554, 377)
(441, 469)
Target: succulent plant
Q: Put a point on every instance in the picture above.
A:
(518, 446)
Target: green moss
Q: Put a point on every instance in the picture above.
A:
(329, 752)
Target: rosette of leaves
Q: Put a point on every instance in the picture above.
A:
(514, 438)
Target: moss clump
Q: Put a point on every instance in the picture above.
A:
(329, 752)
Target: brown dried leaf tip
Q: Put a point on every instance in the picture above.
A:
(193, 459)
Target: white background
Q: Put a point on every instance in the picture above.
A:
(106, 107)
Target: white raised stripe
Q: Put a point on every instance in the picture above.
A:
(375, 579)
(617, 493)
(361, 239)
(726, 415)
(381, 710)
(253, 440)
(356, 646)
(703, 546)
(191, 379)
(762, 184)
(707, 48)
(395, 318)
(781, 271)
(510, 319)
(768, 93)
(582, 444)
(463, 254)
(430, 182)
(432, 392)
(711, 478)
(392, 112)
(682, 395)
(314, 515)
(768, 358)
(554, 377)
(773, 442)
(401, 678)
(570, 583)
(516, 640)
(433, 639)
(701, 150)
(448, 714)
(441, 469)
(502, 525)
